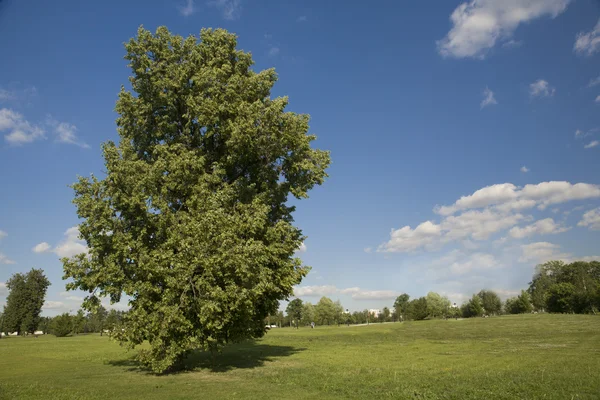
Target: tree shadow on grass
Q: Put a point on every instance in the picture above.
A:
(240, 355)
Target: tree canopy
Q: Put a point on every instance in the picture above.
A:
(192, 220)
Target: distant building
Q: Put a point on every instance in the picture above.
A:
(454, 305)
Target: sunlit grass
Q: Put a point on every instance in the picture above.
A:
(509, 357)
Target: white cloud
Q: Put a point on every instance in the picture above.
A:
(230, 9)
(594, 82)
(273, 51)
(591, 144)
(3, 289)
(187, 9)
(588, 43)
(65, 132)
(301, 18)
(494, 194)
(5, 95)
(591, 219)
(308, 291)
(479, 24)
(542, 227)
(475, 261)
(368, 249)
(589, 258)
(41, 248)
(17, 93)
(53, 305)
(302, 248)
(488, 211)
(505, 294)
(5, 260)
(511, 44)
(597, 99)
(356, 292)
(541, 252)
(406, 239)
(19, 131)
(70, 296)
(524, 169)
(375, 295)
(72, 245)
(69, 247)
(506, 196)
(488, 98)
(541, 88)
(3, 234)
(478, 225)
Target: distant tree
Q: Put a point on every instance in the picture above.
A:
(280, 318)
(583, 276)
(112, 320)
(401, 304)
(325, 311)
(97, 319)
(62, 325)
(78, 322)
(338, 312)
(545, 275)
(193, 218)
(560, 297)
(437, 305)
(454, 312)
(417, 309)
(294, 310)
(308, 313)
(385, 314)
(473, 308)
(44, 324)
(519, 305)
(490, 301)
(25, 300)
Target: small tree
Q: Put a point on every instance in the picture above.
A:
(294, 311)
(62, 325)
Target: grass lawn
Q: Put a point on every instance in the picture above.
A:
(509, 357)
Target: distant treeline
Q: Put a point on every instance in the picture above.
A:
(66, 324)
(556, 287)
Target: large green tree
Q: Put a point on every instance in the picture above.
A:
(192, 220)
(25, 300)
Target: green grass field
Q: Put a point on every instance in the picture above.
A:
(509, 357)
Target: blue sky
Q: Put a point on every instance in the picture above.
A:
(464, 137)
